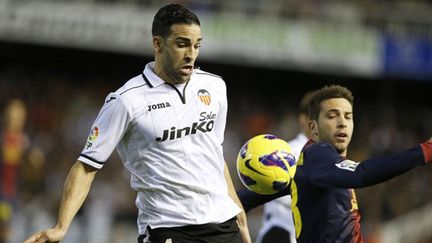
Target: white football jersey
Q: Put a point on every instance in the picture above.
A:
(278, 212)
(170, 139)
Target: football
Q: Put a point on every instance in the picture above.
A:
(266, 164)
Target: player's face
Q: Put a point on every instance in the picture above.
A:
(177, 53)
(335, 123)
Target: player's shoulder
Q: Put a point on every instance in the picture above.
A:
(312, 146)
(209, 80)
(204, 74)
(318, 149)
(133, 85)
(127, 94)
(317, 156)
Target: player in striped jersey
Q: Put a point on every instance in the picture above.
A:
(168, 127)
(324, 206)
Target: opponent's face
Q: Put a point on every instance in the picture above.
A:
(175, 54)
(335, 123)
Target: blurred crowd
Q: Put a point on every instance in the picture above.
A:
(400, 15)
(61, 106)
(379, 13)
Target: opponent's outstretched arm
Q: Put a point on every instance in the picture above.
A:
(251, 200)
(327, 170)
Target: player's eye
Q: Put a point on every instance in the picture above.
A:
(331, 115)
(181, 44)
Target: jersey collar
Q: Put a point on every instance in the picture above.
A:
(150, 77)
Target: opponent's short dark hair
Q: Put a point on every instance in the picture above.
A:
(169, 15)
(325, 93)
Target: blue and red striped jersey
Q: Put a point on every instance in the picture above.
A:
(324, 205)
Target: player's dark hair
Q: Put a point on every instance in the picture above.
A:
(325, 93)
(169, 15)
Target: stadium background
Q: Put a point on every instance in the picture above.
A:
(268, 52)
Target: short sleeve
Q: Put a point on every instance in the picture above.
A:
(106, 132)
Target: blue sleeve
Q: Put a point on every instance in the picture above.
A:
(250, 199)
(328, 169)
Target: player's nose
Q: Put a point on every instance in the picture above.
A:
(342, 122)
(191, 54)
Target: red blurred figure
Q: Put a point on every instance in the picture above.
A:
(13, 143)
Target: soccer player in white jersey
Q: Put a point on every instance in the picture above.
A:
(278, 225)
(168, 127)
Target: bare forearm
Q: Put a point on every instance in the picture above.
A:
(75, 191)
(76, 188)
(241, 217)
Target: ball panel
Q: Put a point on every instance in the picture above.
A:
(243, 151)
(273, 159)
(247, 180)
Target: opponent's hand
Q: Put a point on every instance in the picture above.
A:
(49, 236)
(427, 151)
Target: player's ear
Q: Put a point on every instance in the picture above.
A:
(157, 43)
(313, 127)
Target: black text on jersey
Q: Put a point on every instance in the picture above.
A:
(158, 106)
(205, 124)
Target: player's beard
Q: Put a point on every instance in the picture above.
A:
(177, 78)
(341, 148)
(174, 75)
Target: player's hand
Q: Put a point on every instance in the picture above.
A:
(244, 230)
(427, 151)
(48, 236)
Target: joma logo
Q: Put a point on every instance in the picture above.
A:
(158, 106)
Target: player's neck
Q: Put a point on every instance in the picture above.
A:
(343, 153)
